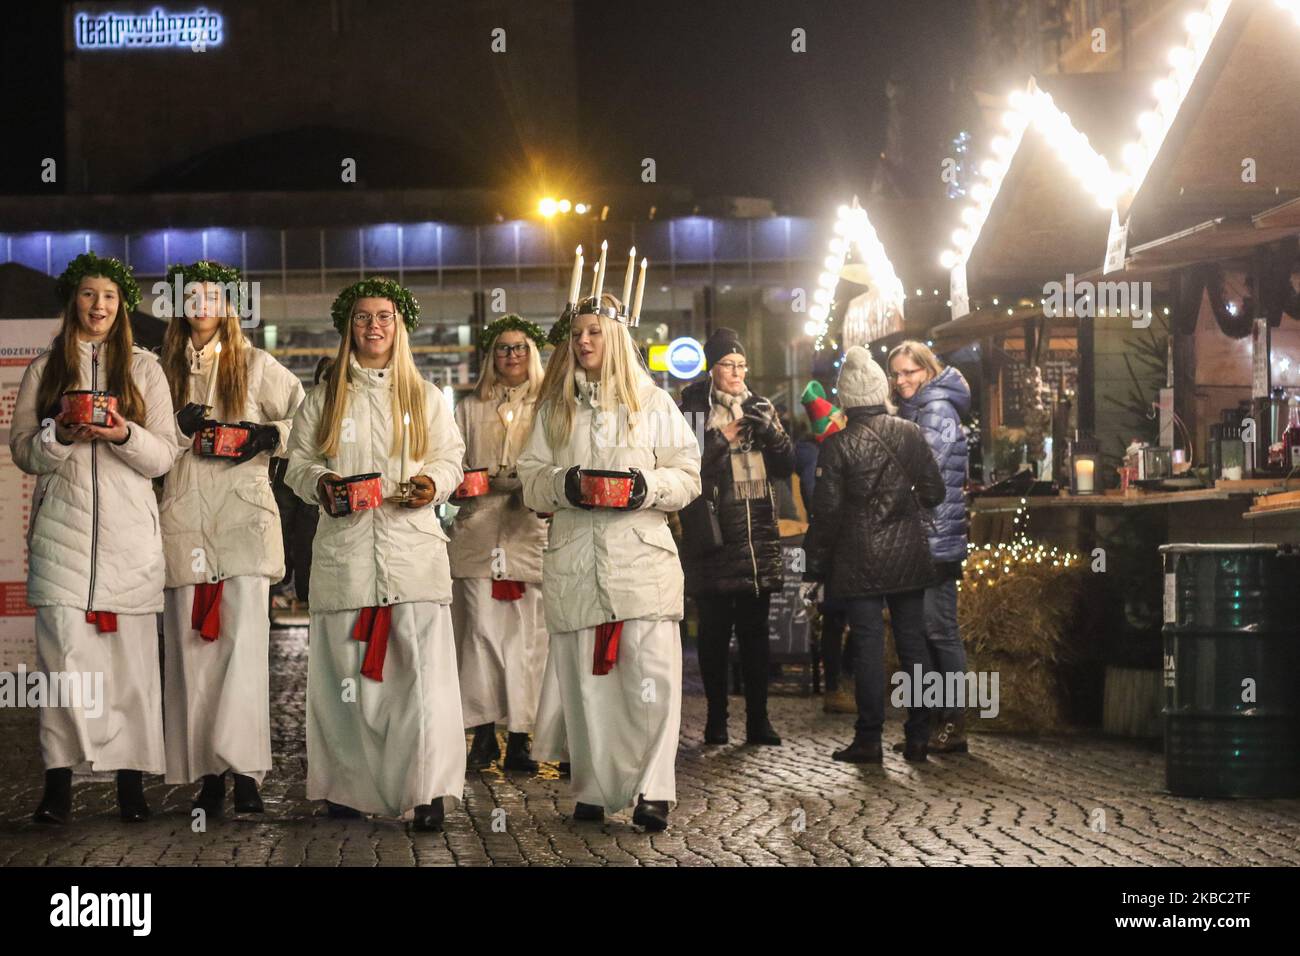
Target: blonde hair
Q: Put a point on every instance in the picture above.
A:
(408, 395)
(621, 376)
(487, 377)
(919, 353)
(232, 375)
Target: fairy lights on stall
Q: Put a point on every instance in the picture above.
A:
(852, 228)
(1032, 108)
(987, 565)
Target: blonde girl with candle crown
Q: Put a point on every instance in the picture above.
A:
(613, 582)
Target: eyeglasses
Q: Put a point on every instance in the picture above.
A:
(381, 319)
(740, 368)
(905, 373)
(519, 348)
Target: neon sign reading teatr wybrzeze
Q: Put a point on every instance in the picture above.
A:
(156, 29)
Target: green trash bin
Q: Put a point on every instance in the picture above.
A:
(1232, 670)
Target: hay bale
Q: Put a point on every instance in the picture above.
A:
(1019, 625)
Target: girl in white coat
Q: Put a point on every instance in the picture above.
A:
(95, 561)
(613, 582)
(384, 727)
(221, 539)
(496, 553)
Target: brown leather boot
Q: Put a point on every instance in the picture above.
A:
(949, 734)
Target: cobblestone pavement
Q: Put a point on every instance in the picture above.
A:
(1063, 801)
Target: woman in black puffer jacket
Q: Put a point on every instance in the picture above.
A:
(745, 450)
(867, 541)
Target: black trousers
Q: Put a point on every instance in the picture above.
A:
(747, 614)
(837, 658)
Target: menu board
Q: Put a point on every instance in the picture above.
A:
(789, 617)
(21, 340)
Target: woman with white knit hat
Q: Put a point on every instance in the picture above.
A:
(867, 541)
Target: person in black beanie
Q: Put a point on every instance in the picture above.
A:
(731, 550)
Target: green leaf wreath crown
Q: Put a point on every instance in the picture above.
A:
(380, 288)
(89, 264)
(511, 323)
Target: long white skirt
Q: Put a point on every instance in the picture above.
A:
(501, 652)
(385, 747)
(217, 714)
(124, 730)
(619, 730)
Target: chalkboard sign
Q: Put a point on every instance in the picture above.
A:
(789, 619)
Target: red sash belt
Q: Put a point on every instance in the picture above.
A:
(372, 627)
(205, 612)
(606, 657)
(105, 621)
(508, 590)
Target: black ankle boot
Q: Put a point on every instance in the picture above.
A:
(429, 816)
(759, 731)
(861, 750)
(915, 751)
(715, 728)
(651, 814)
(484, 749)
(338, 811)
(247, 799)
(518, 756)
(211, 798)
(56, 803)
(130, 796)
(588, 813)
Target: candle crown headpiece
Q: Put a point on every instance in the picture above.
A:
(593, 305)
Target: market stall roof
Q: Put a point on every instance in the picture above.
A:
(1223, 237)
(1224, 150)
(994, 321)
(1042, 223)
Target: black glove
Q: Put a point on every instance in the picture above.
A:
(573, 488)
(760, 417)
(637, 498)
(260, 438)
(193, 418)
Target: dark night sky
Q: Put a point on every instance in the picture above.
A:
(713, 92)
(710, 90)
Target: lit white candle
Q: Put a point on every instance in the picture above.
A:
(600, 269)
(406, 421)
(505, 445)
(1084, 474)
(640, 292)
(576, 282)
(212, 378)
(595, 274)
(627, 279)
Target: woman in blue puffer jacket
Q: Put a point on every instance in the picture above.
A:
(936, 398)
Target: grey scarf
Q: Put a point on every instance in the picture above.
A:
(748, 471)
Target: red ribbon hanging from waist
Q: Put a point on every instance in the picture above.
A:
(205, 612)
(607, 636)
(105, 621)
(372, 627)
(508, 590)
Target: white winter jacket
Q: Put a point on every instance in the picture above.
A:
(603, 565)
(93, 540)
(219, 519)
(388, 555)
(495, 535)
